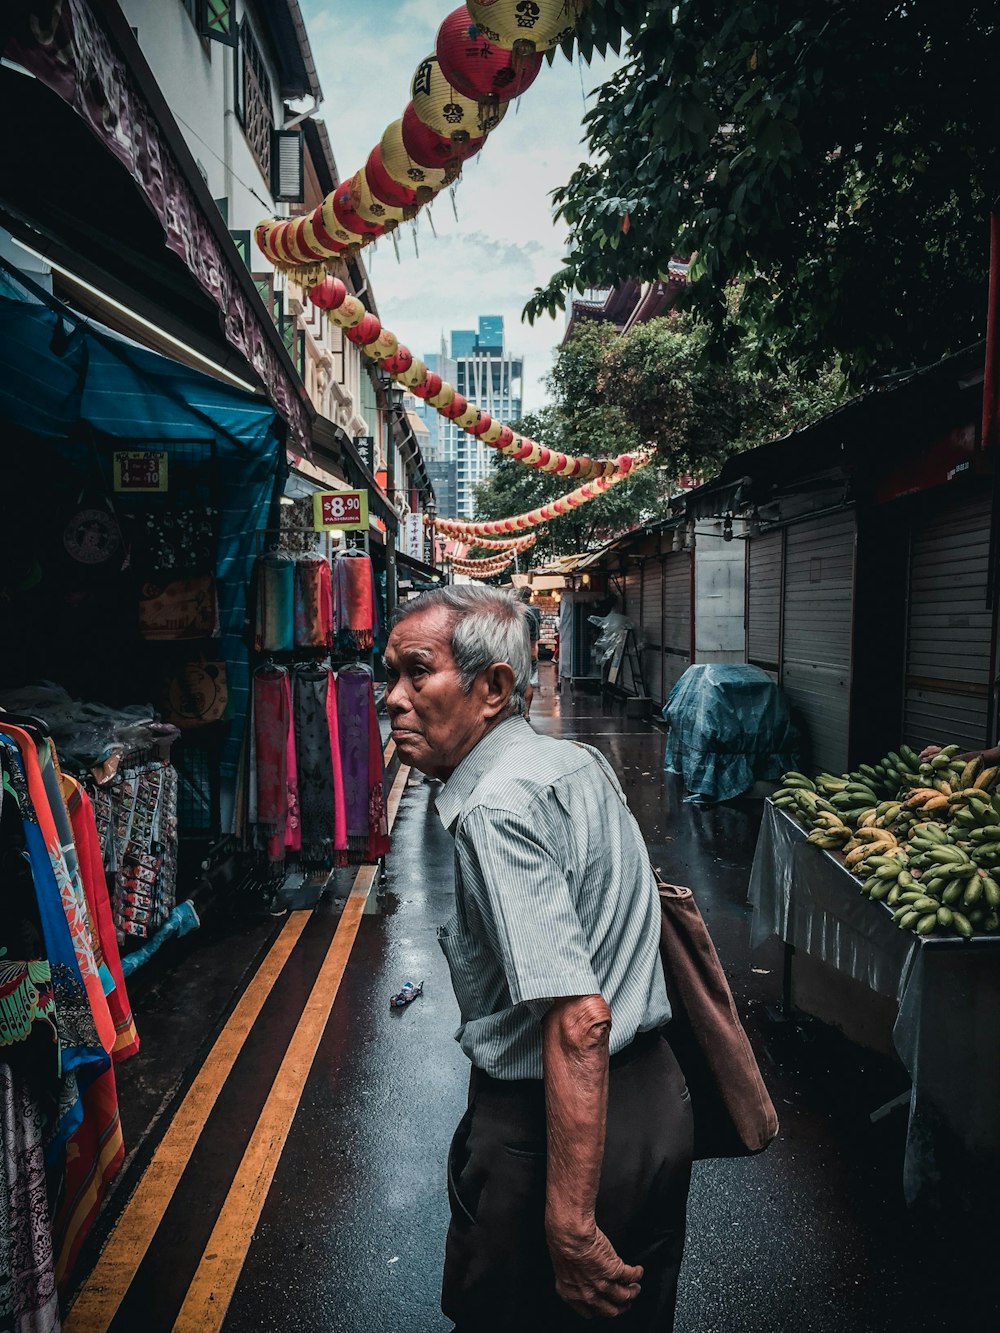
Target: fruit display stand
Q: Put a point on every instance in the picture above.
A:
(947, 989)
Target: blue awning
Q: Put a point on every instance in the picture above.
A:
(59, 376)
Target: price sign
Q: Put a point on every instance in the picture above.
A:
(144, 470)
(347, 510)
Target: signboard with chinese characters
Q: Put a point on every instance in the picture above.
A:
(140, 470)
(415, 535)
(345, 510)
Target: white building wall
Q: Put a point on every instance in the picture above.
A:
(719, 594)
(198, 79)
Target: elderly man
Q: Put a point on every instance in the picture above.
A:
(568, 1174)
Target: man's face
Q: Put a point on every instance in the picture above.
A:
(434, 722)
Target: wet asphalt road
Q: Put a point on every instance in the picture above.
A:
(812, 1236)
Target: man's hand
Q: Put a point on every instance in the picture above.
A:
(590, 1276)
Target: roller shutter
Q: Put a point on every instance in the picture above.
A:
(652, 628)
(633, 594)
(818, 611)
(676, 618)
(764, 601)
(950, 629)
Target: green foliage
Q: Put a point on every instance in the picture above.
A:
(653, 387)
(839, 160)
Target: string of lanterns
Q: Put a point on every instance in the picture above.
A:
(516, 547)
(487, 52)
(470, 532)
(482, 569)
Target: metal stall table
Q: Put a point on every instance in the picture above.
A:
(947, 991)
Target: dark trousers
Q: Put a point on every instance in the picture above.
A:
(497, 1273)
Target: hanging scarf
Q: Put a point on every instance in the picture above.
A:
(275, 617)
(356, 612)
(336, 761)
(293, 826)
(271, 722)
(313, 603)
(80, 1049)
(28, 1300)
(315, 768)
(95, 885)
(364, 774)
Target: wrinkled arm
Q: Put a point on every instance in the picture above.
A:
(590, 1276)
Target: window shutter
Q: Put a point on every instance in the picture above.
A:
(287, 166)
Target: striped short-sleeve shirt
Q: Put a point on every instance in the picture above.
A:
(554, 897)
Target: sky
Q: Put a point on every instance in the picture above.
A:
(504, 242)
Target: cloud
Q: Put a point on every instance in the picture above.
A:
(504, 242)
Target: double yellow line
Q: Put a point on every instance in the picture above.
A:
(211, 1290)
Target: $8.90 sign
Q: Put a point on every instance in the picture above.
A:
(346, 510)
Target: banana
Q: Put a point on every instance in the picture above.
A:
(970, 771)
(987, 778)
(927, 923)
(962, 924)
(937, 803)
(991, 892)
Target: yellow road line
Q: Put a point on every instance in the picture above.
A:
(209, 1296)
(96, 1305)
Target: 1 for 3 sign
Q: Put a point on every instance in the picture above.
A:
(346, 510)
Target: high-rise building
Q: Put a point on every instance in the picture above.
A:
(482, 370)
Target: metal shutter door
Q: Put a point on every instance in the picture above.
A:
(676, 618)
(818, 631)
(950, 629)
(633, 594)
(764, 602)
(652, 628)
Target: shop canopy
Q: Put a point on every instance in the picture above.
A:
(73, 382)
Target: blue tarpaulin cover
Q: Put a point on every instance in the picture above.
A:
(57, 377)
(729, 726)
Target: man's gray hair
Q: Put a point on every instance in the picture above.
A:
(487, 625)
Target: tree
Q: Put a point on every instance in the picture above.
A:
(651, 388)
(837, 159)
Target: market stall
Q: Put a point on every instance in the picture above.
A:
(947, 990)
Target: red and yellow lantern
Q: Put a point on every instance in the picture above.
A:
(526, 26)
(449, 113)
(478, 68)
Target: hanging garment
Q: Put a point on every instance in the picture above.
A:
(316, 769)
(80, 1050)
(28, 1299)
(274, 630)
(313, 603)
(364, 770)
(355, 605)
(95, 886)
(270, 753)
(70, 891)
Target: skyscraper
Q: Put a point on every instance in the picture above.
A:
(481, 369)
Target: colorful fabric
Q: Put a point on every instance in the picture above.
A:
(364, 772)
(293, 826)
(271, 722)
(337, 763)
(95, 886)
(27, 997)
(28, 1299)
(275, 602)
(70, 892)
(315, 766)
(355, 604)
(313, 603)
(179, 609)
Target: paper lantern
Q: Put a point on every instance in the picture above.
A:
(456, 408)
(443, 397)
(430, 386)
(526, 26)
(374, 210)
(384, 345)
(505, 438)
(328, 227)
(476, 67)
(383, 187)
(366, 330)
(416, 374)
(350, 312)
(263, 233)
(401, 360)
(426, 181)
(328, 294)
(449, 113)
(481, 425)
(493, 432)
(430, 149)
(348, 216)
